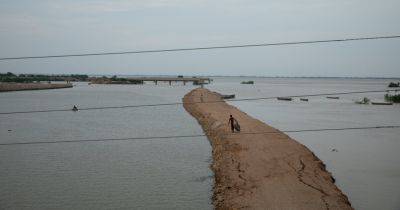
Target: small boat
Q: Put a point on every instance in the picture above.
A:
(381, 103)
(247, 82)
(284, 98)
(365, 100)
(303, 99)
(228, 96)
(333, 97)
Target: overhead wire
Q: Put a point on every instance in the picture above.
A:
(193, 136)
(180, 103)
(201, 48)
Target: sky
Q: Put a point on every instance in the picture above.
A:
(52, 27)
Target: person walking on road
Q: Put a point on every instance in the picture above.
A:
(234, 124)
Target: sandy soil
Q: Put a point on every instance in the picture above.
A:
(260, 171)
(30, 86)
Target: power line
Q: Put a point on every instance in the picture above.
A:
(341, 129)
(201, 48)
(193, 136)
(91, 108)
(180, 103)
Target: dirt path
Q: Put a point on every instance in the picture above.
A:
(260, 171)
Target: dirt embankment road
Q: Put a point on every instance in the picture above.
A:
(31, 86)
(260, 171)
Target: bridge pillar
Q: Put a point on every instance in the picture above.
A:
(155, 82)
(184, 82)
(170, 83)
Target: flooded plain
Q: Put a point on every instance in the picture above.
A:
(175, 173)
(140, 174)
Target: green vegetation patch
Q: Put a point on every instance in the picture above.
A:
(393, 98)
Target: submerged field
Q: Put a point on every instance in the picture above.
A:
(175, 173)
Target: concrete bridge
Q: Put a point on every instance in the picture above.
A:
(195, 80)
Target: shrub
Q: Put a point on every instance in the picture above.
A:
(392, 84)
(393, 98)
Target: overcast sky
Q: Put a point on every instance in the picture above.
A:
(46, 27)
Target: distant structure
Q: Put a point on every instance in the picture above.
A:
(194, 80)
(141, 80)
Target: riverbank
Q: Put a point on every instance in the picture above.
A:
(4, 87)
(260, 171)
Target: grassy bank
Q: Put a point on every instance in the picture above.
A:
(4, 87)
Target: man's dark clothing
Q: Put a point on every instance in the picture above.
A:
(232, 121)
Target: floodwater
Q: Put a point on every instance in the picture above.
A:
(175, 173)
(365, 163)
(142, 174)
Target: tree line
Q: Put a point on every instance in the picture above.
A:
(27, 78)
